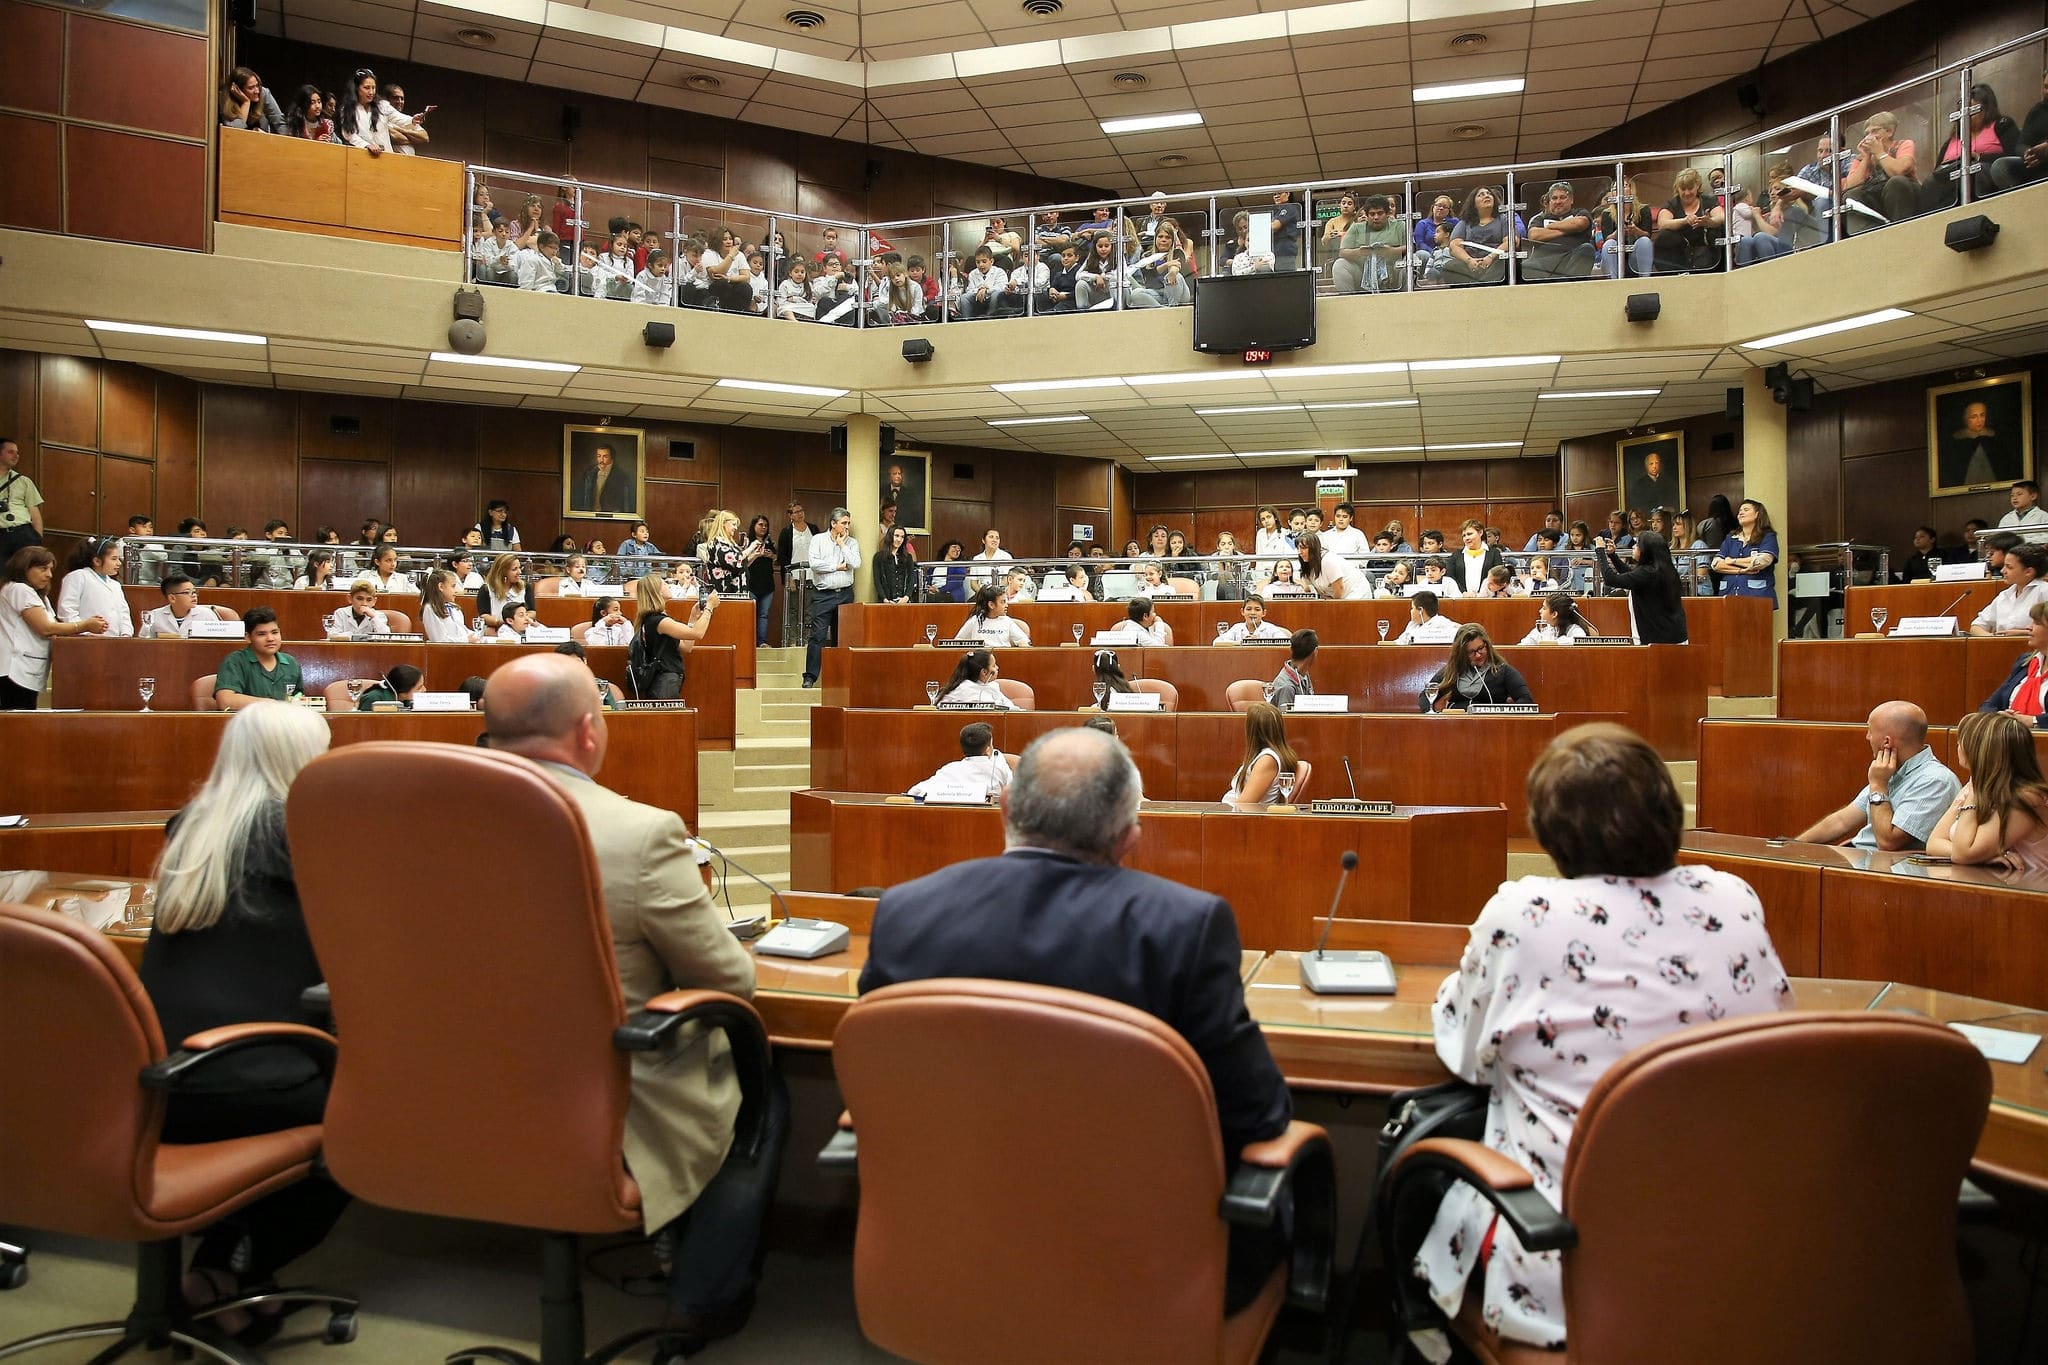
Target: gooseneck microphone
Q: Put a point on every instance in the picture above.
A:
(1350, 864)
(774, 896)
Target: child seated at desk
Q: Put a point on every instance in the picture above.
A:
(518, 616)
(360, 617)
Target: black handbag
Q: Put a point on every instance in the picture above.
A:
(1450, 1109)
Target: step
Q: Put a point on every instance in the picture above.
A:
(786, 776)
(754, 751)
(1535, 864)
(768, 860)
(787, 696)
(758, 827)
(751, 799)
(794, 713)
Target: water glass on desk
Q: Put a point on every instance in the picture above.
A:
(931, 693)
(1285, 781)
(147, 687)
(1101, 694)
(1878, 616)
(1077, 632)
(931, 633)
(1222, 629)
(1383, 632)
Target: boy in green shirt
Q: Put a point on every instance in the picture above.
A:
(260, 670)
(1371, 247)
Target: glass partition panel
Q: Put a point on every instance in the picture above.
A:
(1562, 211)
(1363, 239)
(1894, 144)
(1469, 243)
(2015, 84)
(909, 294)
(1678, 201)
(1165, 235)
(1784, 187)
(1287, 241)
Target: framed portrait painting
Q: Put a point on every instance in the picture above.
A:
(603, 469)
(1651, 471)
(1980, 434)
(906, 491)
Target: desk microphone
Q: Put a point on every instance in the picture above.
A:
(1952, 606)
(793, 937)
(1345, 973)
(774, 896)
(1354, 796)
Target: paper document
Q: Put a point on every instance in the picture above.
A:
(2000, 1044)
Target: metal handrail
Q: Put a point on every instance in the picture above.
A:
(415, 561)
(595, 188)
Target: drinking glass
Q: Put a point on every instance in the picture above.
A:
(931, 633)
(1286, 784)
(931, 692)
(1383, 632)
(1269, 694)
(355, 690)
(147, 687)
(1101, 692)
(1878, 616)
(1077, 632)
(1222, 629)
(1429, 694)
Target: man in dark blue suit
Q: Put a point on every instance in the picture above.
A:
(1058, 909)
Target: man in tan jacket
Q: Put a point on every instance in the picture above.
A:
(666, 935)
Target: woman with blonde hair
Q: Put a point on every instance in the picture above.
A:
(661, 639)
(505, 583)
(1267, 758)
(230, 947)
(2001, 814)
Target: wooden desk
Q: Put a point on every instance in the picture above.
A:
(1901, 600)
(301, 186)
(1436, 864)
(96, 674)
(303, 614)
(1656, 690)
(123, 761)
(1847, 679)
(1446, 760)
(119, 843)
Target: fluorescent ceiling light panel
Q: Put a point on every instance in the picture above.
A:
(503, 362)
(1233, 412)
(1150, 123)
(1826, 329)
(1375, 403)
(1465, 90)
(763, 386)
(181, 333)
(1387, 450)
(1484, 362)
(1480, 445)
(1336, 371)
(1169, 459)
(1601, 393)
(1192, 377)
(1048, 385)
(1032, 421)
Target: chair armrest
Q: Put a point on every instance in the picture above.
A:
(317, 1004)
(841, 1153)
(1508, 1187)
(654, 1026)
(229, 1039)
(1293, 1174)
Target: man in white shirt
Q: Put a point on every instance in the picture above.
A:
(1425, 626)
(1141, 626)
(1255, 626)
(180, 609)
(2026, 516)
(407, 132)
(1342, 537)
(834, 557)
(992, 552)
(983, 769)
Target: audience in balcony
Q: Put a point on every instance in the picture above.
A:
(312, 118)
(361, 122)
(1993, 136)
(2029, 161)
(1371, 250)
(1562, 236)
(246, 102)
(407, 131)
(1481, 241)
(1882, 177)
(1635, 238)
(1688, 228)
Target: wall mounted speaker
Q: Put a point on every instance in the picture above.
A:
(660, 335)
(835, 439)
(1644, 307)
(1970, 234)
(888, 443)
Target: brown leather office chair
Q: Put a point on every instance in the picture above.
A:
(579, 630)
(1793, 1173)
(1016, 1207)
(225, 613)
(85, 1073)
(1019, 692)
(550, 586)
(400, 623)
(1242, 693)
(1186, 587)
(337, 697)
(1168, 694)
(1303, 771)
(486, 1075)
(202, 692)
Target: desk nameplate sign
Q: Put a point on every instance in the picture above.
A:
(1326, 703)
(963, 642)
(440, 701)
(1600, 640)
(1166, 597)
(1502, 708)
(667, 705)
(1962, 573)
(955, 794)
(1924, 627)
(393, 638)
(969, 706)
(214, 630)
(1345, 805)
(546, 635)
(1133, 701)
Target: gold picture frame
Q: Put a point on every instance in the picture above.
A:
(621, 495)
(1980, 434)
(1640, 485)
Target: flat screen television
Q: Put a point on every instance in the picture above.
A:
(1237, 313)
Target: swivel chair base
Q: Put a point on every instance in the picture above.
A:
(13, 1266)
(561, 1320)
(161, 1318)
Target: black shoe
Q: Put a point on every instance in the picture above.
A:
(810, 682)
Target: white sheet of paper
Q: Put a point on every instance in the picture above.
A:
(440, 701)
(1134, 701)
(1335, 702)
(2000, 1044)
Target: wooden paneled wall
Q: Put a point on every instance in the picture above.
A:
(1592, 468)
(492, 122)
(1510, 494)
(103, 126)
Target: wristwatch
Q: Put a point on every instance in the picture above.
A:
(1879, 799)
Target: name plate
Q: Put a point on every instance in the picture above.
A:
(963, 642)
(1925, 627)
(215, 629)
(1344, 805)
(670, 705)
(1059, 595)
(440, 701)
(1165, 596)
(1600, 640)
(969, 706)
(955, 795)
(1501, 708)
(1961, 573)
(545, 635)
(394, 638)
(1133, 701)
(1330, 703)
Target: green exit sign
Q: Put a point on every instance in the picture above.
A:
(1329, 488)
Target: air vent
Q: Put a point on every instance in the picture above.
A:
(339, 425)
(1467, 42)
(1173, 159)
(1468, 132)
(476, 37)
(1042, 8)
(804, 19)
(1130, 80)
(700, 81)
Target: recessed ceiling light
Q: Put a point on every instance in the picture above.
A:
(1467, 42)
(764, 386)
(181, 333)
(503, 362)
(1469, 132)
(1465, 90)
(1484, 362)
(1826, 329)
(1151, 123)
(1387, 450)
(1043, 8)
(804, 19)
(476, 37)
(1032, 421)
(1173, 159)
(1601, 393)
(1130, 80)
(701, 81)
